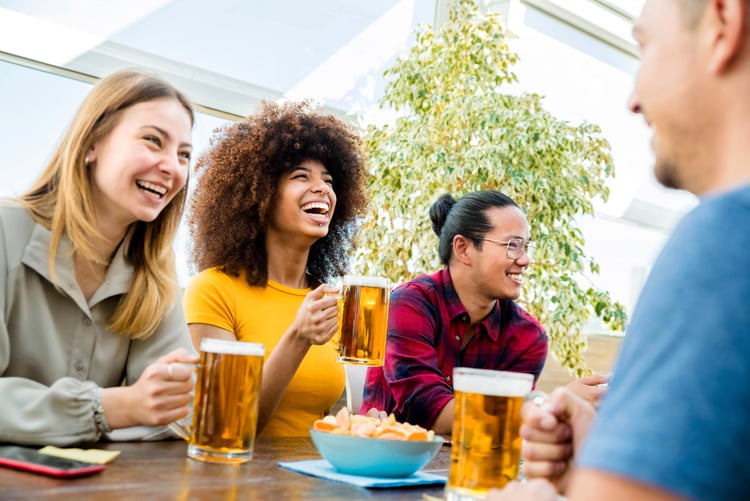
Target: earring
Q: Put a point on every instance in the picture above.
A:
(86, 161)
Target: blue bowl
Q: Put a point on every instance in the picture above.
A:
(375, 457)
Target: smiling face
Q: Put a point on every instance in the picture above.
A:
(669, 92)
(141, 164)
(304, 203)
(494, 275)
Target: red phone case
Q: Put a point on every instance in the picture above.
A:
(36, 462)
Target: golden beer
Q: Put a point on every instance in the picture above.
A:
(225, 406)
(363, 320)
(486, 449)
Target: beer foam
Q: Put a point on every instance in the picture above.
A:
(214, 345)
(496, 383)
(367, 281)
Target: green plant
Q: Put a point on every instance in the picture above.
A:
(457, 132)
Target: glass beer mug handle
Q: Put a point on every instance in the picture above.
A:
(182, 427)
(180, 430)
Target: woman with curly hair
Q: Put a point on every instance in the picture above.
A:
(273, 217)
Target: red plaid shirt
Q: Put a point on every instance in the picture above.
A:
(426, 327)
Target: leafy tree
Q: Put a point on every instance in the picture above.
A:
(457, 132)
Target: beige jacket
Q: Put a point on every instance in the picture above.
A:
(55, 346)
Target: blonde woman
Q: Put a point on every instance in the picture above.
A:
(92, 333)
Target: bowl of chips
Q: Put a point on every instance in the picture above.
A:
(374, 446)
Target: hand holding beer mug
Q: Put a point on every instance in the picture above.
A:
(486, 449)
(363, 319)
(225, 406)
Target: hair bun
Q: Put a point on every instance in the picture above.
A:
(439, 212)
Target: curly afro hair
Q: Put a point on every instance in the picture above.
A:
(239, 176)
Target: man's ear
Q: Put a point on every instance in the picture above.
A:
(463, 249)
(724, 22)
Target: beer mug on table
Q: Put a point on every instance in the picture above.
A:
(363, 319)
(225, 405)
(486, 450)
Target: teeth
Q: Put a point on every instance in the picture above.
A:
(151, 187)
(516, 276)
(316, 205)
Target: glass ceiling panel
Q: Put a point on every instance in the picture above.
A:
(632, 7)
(331, 50)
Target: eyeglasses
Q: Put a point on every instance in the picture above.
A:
(514, 247)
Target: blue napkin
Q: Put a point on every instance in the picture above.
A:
(323, 469)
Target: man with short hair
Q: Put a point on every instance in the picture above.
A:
(675, 423)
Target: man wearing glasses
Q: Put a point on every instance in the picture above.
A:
(460, 316)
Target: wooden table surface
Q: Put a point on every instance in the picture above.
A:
(146, 471)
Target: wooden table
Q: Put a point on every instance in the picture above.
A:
(146, 471)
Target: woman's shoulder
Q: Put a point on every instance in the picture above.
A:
(14, 215)
(213, 277)
(16, 227)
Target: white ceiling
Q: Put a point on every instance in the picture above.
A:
(229, 54)
(331, 50)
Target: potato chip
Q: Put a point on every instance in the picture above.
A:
(375, 424)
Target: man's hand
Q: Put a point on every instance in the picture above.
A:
(553, 431)
(591, 388)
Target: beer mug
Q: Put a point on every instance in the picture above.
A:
(225, 405)
(486, 450)
(363, 319)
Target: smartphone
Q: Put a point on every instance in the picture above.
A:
(28, 459)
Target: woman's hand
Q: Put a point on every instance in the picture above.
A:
(317, 317)
(161, 394)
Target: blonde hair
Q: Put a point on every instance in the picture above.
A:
(61, 200)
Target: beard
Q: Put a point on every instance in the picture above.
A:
(666, 173)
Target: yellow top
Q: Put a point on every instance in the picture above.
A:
(262, 315)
